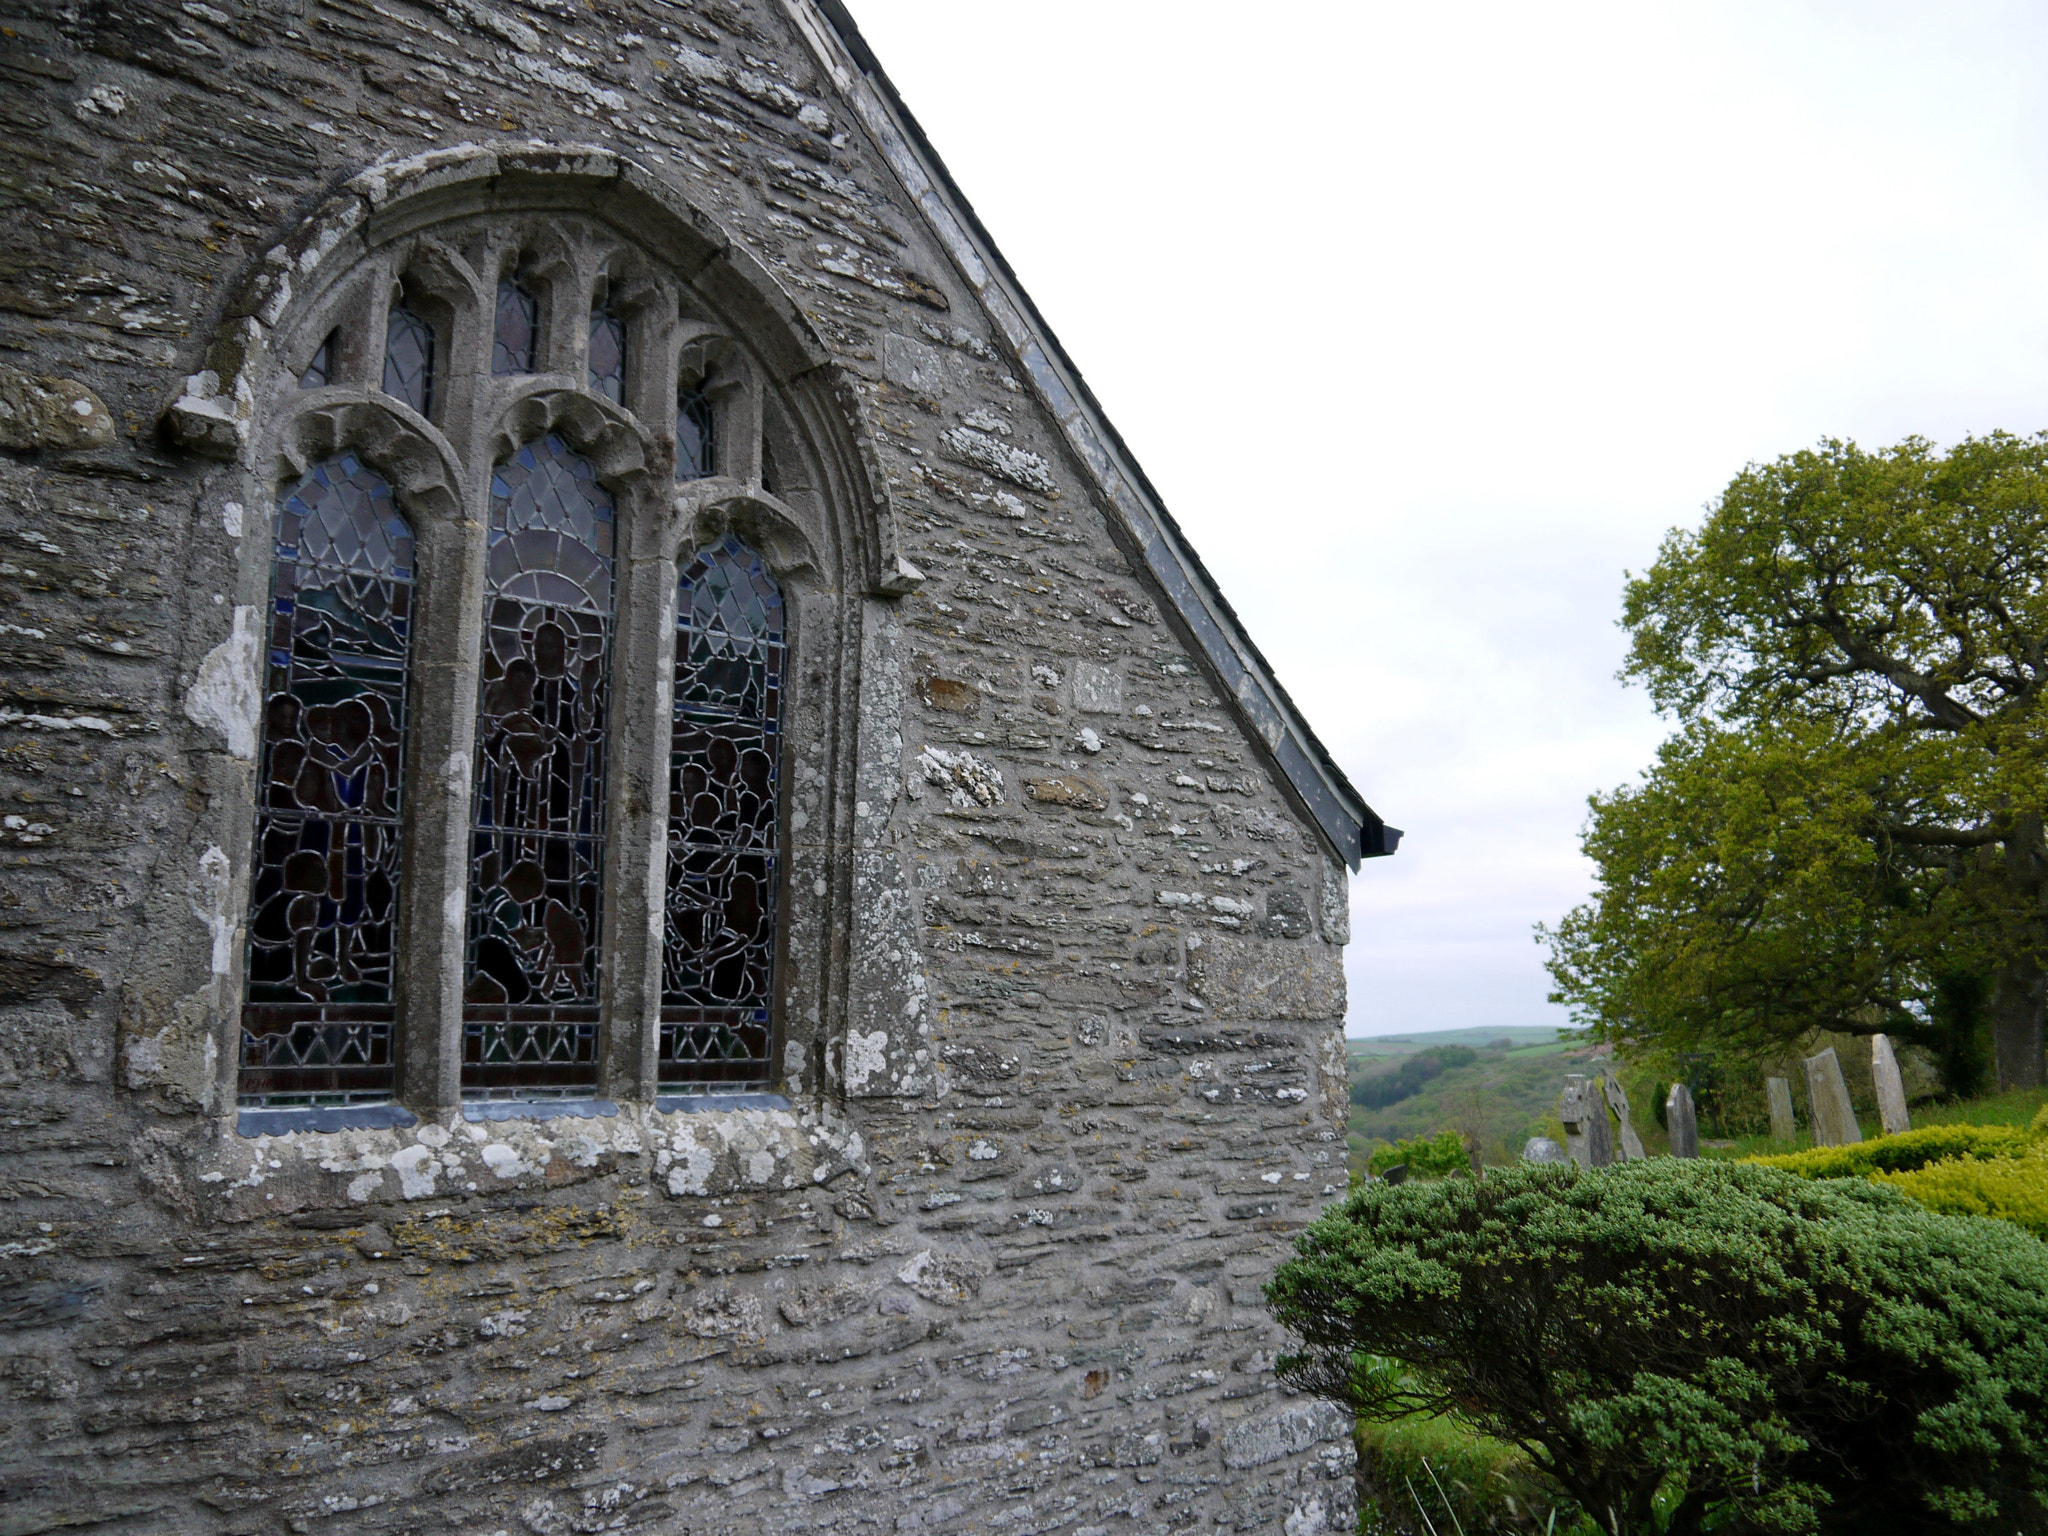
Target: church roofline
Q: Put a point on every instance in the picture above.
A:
(1326, 793)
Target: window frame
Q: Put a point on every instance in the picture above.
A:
(439, 470)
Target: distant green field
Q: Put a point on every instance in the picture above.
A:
(1523, 1035)
(1506, 1093)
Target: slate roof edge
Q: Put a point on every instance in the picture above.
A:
(1351, 825)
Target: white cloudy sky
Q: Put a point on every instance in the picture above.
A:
(1428, 320)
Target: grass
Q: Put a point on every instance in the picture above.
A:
(2016, 1106)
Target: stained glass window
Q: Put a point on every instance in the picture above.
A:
(718, 952)
(517, 328)
(694, 440)
(538, 834)
(316, 1026)
(320, 371)
(409, 359)
(608, 354)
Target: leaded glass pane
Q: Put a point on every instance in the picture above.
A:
(718, 949)
(317, 1023)
(320, 371)
(518, 326)
(694, 443)
(409, 359)
(608, 355)
(537, 835)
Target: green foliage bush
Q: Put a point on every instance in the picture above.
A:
(1424, 1156)
(2012, 1189)
(1406, 1080)
(1730, 1345)
(1898, 1154)
(1962, 1170)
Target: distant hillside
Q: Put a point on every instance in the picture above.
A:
(1499, 1085)
(1415, 1040)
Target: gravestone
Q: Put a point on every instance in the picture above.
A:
(1680, 1121)
(1827, 1095)
(1891, 1087)
(1617, 1100)
(1541, 1149)
(1585, 1123)
(1784, 1124)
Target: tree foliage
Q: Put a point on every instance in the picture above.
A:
(1845, 831)
(1406, 1079)
(1763, 1352)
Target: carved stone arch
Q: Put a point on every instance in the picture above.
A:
(392, 439)
(591, 425)
(701, 351)
(706, 510)
(529, 187)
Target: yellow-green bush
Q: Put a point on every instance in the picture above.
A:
(1960, 1170)
(2013, 1189)
(1898, 1154)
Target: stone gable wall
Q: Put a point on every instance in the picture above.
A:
(998, 1266)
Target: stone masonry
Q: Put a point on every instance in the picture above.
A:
(1062, 1053)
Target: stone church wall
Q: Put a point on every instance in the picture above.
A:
(996, 1267)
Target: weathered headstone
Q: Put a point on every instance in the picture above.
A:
(1586, 1136)
(1784, 1124)
(1680, 1122)
(1827, 1095)
(1617, 1100)
(1541, 1149)
(1891, 1087)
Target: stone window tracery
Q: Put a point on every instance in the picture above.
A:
(317, 1020)
(530, 992)
(696, 435)
(517, 330)
(528, 916)
(607, 353)
(718, 952)
(409, 359)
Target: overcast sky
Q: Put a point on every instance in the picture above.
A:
(1427, 320)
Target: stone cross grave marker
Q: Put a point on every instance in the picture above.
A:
(1617, 1100)
(1586, 1136)
(1784, 1124)
(1827, 1094)
(1681, 1122)
(1891, 1087)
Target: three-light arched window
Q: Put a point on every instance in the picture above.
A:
(323, 1017)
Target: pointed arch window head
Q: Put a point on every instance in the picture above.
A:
(537, 841)
(696, 435)
(608, 353)
(317, 1020)
(518, 329)
(320, 369)
(409, 359)
(725, 752)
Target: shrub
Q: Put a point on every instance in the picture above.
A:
(1424, 1156)
(1732, 1343)
(1963, 1170)
(1896, 1154)
(2013, 1189)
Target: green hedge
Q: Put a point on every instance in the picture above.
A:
(1897, 1154)
(1424, 1156)
(1961, 1170)
(1695, 1344)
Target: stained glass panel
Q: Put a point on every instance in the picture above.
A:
(537, 840)
(320, 371)
(317, 1023)
(409, 359)
(518, 326)
(718, 949)
(608, 355)
(694, 443)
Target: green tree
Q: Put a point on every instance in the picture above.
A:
(1717, 1346)
(1846, 831)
